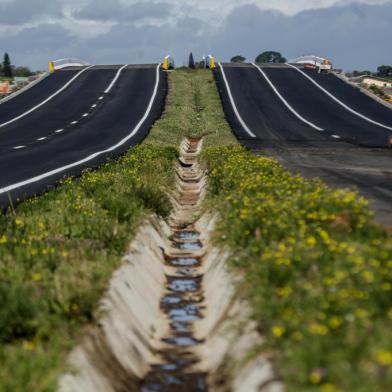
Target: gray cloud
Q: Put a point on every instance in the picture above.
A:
(351, 35)
(22, 11)
(115, 10)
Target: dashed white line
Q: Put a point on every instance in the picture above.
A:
(59, 131)
(339, 101)
(74, 122)
(47, 99)
(85, 114)
(96, 154)
(100, 98)
(233, 104)
(292, 110)
(19, 147)
(42, 138)
(94, 106)
(336, 136)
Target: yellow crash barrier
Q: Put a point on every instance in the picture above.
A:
(211, 62)
(51, 67)
(168, 63)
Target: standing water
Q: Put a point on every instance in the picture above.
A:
(182, 302)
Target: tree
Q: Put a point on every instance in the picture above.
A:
(21, 71)
(237, 59)
(270, 57)
(7, 69)
(356, 73)
(191, 63)
(384, 70)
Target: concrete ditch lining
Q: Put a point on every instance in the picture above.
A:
(130, 339)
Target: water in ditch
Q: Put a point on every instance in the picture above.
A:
(183, 305)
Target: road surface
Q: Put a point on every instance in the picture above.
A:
(76, 118)
(321, 127)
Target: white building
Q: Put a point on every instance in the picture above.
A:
(375, 81)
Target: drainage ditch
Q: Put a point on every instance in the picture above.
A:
(183, 300)
(172, 317)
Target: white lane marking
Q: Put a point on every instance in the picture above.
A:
(74, 122)
(336, 136)
(292, 110)
(339, 101)
(115, 79)
(59, 131)
(85, 114)
(96, 154)
(18, 147)
(42, 138)
(242, 122)
(94, 106)
(100, 98)
(47, 99)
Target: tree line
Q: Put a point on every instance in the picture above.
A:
(9, 71)
(266, 57)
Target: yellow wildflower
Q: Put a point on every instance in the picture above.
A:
(278, 331)
(315, 377)
(318, 329)
(311, 241)
(28, 346)
(36, 277)
(384, 358)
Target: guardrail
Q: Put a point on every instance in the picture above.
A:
(64, 63)
(315, 61)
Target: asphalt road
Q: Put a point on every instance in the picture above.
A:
(32, 97)
(346, 151)
(79, 128)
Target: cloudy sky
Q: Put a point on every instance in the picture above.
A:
(354, 34)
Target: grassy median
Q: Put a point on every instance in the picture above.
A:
(193, 109)
(317, 270)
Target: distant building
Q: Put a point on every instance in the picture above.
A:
(376, 81)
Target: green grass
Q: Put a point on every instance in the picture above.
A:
(193, 109)
(317, 271)
(57, 254)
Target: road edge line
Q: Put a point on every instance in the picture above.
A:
(113, 82)
(339, 101)
(280, 96)
(233, 104)
(94, 155)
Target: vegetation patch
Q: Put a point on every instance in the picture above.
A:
(317, 271)
(57, 254)
(193, 110)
